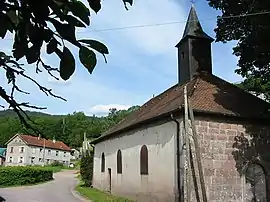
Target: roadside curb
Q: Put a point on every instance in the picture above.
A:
(79, 196)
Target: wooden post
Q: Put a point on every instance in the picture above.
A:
(188, 173)
(197, 152)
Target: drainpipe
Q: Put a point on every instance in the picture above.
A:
(92, 165)
(178, 198)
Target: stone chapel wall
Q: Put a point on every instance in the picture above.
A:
(227, 149)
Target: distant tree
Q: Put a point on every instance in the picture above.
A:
(70, 131)
(251, 29)
(51, 23)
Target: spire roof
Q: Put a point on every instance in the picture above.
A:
(193, 27)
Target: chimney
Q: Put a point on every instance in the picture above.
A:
(54, 139)
(38, 137)
(194, 50)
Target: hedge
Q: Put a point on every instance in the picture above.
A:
(23, 175)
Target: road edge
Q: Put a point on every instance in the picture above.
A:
(77, 195)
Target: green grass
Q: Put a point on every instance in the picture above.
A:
(96, 195)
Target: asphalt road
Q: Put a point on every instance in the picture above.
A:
(58, 190)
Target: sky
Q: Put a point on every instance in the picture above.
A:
(142, 61)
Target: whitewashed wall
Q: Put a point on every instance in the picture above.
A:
(160, 183)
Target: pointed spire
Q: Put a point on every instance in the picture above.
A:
(193, 27)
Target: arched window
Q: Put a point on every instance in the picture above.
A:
(119, 162)
(255, 176)
(144, 160)
(103, 163)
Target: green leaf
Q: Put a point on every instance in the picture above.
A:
(65, 30)
(128, 1)
(67, 64)
(95, 5)
(13, 17)
(51, 46)
(74, 22)
(88, 58)
(81, 11)
(3, 28)
(47, 35)
(98, 46)
(10, 75)
(32, 54)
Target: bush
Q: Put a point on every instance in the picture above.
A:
(22, 175)
(86, 168)
(57, 164)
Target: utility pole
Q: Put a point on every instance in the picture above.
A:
(187, 163)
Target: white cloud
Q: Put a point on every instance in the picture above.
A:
(104, 109)
(152, 39)
(142, 61)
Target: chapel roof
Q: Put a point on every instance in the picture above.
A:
(207, 94)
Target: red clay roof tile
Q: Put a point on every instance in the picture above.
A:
(207, 93)
(35, 141)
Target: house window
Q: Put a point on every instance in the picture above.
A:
(40, 159)
(48, 161)
(49, 152)
(40, 150)
(11, 149)
(103, 163)
(119, 162)
(32, 159)
(65, 154)
(21, 159)
(57, 152)
(255, 176)
(10, 159)
(144, 160)
(22, 149)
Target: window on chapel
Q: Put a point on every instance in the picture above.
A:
(119, 162)
(144, 160)
(103, 163)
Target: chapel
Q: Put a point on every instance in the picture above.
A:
(143, 156)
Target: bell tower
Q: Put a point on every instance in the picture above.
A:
(194, 50)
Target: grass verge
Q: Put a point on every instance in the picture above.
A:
(96, 195)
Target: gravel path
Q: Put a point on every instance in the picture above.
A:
(58, 190)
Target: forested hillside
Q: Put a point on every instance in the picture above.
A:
(67, 128)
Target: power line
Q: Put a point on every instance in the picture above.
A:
(169, 23)
(177, 22)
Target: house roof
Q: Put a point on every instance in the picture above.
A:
(39, 142)
(207, 93)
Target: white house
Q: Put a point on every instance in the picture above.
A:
(143, 157)
(32, 150)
